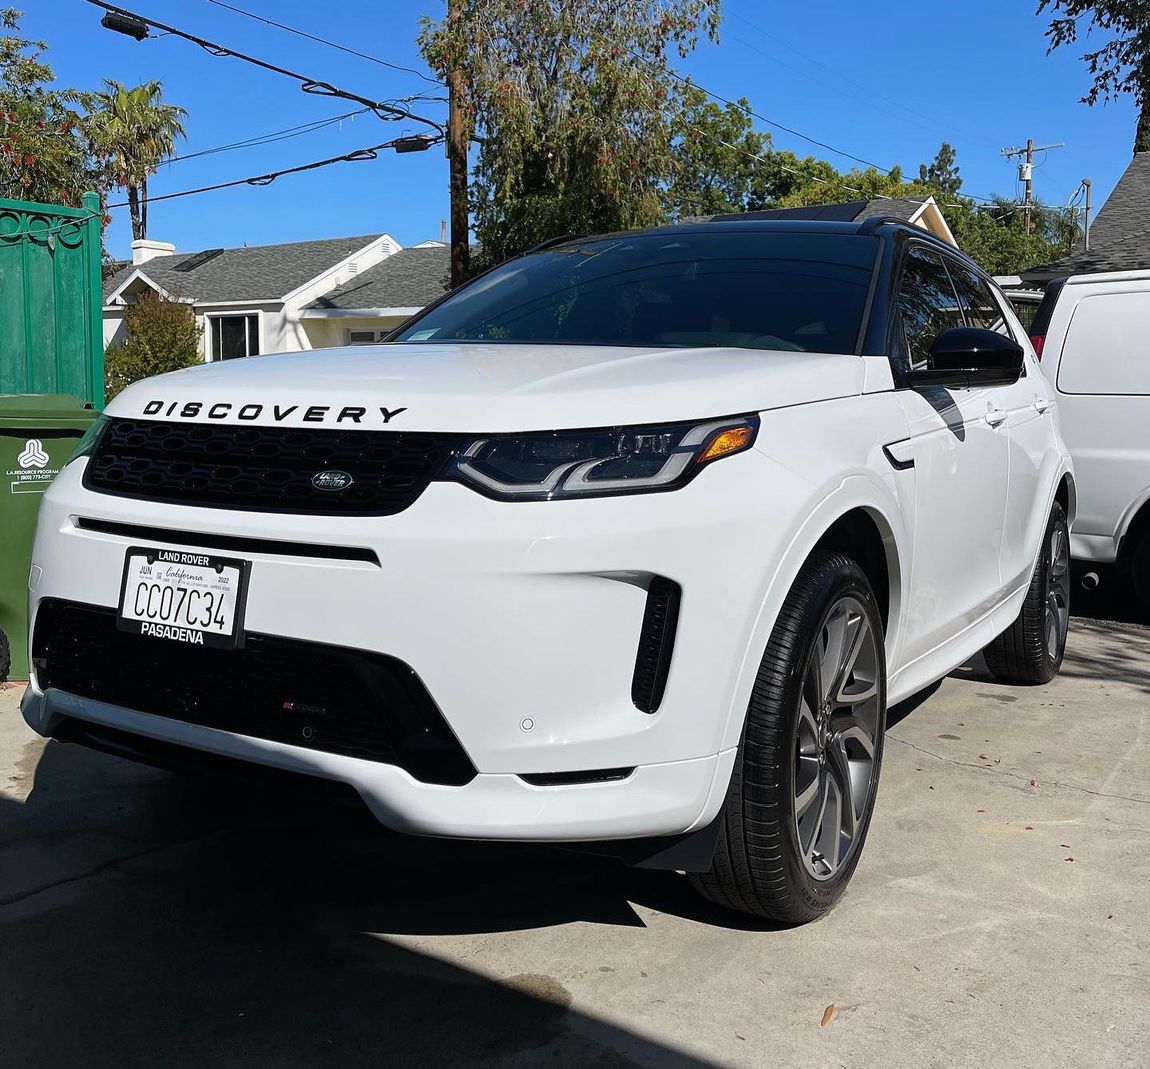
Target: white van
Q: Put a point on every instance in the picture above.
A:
(1092, 333)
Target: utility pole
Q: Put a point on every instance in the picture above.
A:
(1086, 225)
(458, 138)
(1026, 170)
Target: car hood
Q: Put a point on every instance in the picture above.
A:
(490, 388)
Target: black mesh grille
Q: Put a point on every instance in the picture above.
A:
(265, 469)
(656, 643)
(306, 694)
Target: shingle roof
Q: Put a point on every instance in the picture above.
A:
(410, 278)
(259, 272)
(1119, 236)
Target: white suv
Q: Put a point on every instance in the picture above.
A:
(1093, 333)
(627, 544)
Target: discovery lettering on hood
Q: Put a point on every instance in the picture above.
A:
(251, 412)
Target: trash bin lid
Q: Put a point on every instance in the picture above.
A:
(24, 410)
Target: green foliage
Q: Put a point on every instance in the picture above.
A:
(941, 173)
(134, 130)
(162, 336)
(44, 144)
(1122, 64)
(573, 104)
(719, 163)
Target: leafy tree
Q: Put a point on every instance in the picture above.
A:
(135, 130)
(573, 104)
(717, 160)
(1122, 64)
(162, 336)
(941, 173)
(44, 150)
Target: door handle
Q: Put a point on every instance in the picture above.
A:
(995, 416)
(1043, 405)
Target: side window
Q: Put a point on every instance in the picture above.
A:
(977, 301)
(927, 302)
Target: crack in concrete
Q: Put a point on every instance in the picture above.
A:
(1016, 775)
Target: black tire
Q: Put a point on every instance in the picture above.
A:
(1026, 652)
(1140, 571)
(759, 865)
(5, 657)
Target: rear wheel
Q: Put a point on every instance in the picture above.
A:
(800, 799)
(5, 657)
(1032, 648)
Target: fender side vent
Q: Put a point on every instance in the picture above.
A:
(568, 779)
(656, 644)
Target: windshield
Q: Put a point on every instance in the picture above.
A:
(799, 292)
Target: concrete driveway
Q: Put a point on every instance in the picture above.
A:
(1000, 916)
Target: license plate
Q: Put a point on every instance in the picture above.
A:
(184, 597)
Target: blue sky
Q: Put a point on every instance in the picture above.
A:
(886, 81)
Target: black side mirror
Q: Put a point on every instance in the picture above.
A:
(971, 356)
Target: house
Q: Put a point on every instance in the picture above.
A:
(366, 307)
(922, 212)
(265, 298)
(1119, 236)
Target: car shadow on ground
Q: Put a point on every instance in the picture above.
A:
(164, 919)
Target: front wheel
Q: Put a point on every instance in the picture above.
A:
(803, 788)
(1032, 648)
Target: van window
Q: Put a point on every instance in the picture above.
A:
(1107, 348)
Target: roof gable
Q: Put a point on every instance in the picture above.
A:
(410, 278)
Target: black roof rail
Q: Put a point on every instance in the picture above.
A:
(870, 224)
(551, 242)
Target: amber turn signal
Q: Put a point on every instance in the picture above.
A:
(732, 440)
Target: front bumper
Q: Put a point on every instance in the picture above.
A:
(522, 621)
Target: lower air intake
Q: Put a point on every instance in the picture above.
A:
(656, 644)
(319, 697)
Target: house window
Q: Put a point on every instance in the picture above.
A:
(234, 336)
(366, 337)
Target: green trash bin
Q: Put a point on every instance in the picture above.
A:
(38, 433)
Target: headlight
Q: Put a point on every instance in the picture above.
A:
(620, 460)
(86, 446)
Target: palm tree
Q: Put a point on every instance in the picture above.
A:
(135, 131)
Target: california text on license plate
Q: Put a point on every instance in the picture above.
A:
(183, 597)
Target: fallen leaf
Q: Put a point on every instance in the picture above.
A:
(1068, 859)
(1109, 916)
(981, 810)
(743, 1038)
(828, 1013)
(983, 757)
(1034, 783)
(1029, 827)
(1065, 846)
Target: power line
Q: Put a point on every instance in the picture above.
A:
(358, 155)
(268, 139)
(762, 118)
(324, 41)
(139, 25)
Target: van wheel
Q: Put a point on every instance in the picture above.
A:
(803, 788)
(1032, 648)
(1140, 571)
(5, 657)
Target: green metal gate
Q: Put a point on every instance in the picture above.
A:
(51, 337)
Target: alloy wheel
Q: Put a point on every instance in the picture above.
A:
(1057, 592)
(838, 724)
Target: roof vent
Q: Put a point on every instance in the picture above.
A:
(353, 268)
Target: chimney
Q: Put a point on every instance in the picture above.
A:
(145, 249)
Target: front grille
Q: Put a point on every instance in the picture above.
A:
(328, 698)
(265, 469)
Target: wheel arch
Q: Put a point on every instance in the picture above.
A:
(1136, 529)
(860, 518)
